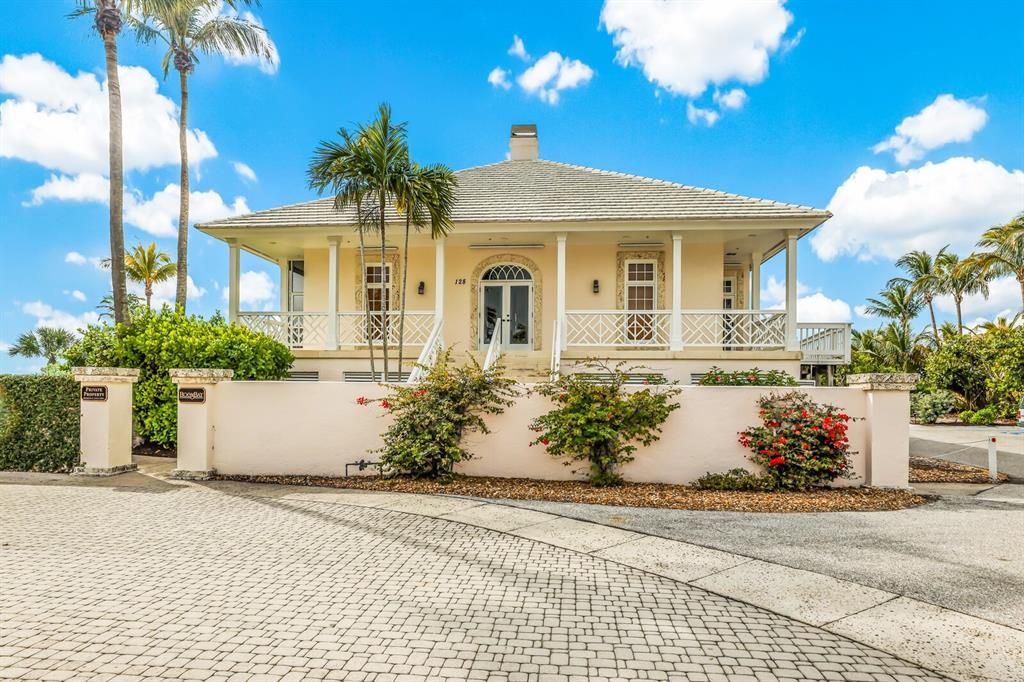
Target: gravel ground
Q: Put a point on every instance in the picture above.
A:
(926, 470)
(648, 495)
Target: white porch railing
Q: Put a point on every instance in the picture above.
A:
(352, 327)
(734, 329)
(825, 343)
(597, 328)
(296, 330)
(428, 356)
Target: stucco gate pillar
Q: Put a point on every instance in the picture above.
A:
(887, 403)
(106, 431)
(197, 404)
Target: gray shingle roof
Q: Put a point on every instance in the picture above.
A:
(548, 191)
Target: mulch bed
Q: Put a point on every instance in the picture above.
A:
(627, 495)
(926, 470)
(150, 450)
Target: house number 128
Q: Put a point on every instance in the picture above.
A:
(460, 280)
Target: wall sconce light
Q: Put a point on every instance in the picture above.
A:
(597, 287)
(422, 288)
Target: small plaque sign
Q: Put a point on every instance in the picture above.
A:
(191, 395)
(94, 392)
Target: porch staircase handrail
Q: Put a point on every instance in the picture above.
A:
(825, 342)
(428, 356)
(494, 347)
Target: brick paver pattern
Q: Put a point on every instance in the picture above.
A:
(192, 583)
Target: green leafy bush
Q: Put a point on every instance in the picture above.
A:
(800, 444)
(601, 423)
(986, 416)
(984, 369)
(966, 416)
(431, 417)
(39, 423)
(747, 377)
(733, 479)
(927, 406)
(159, 341)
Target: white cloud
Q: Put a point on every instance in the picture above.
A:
(269, 65)
(733, 99)
(48, 316)
(254, 287)
(695, 114)
(76, 294)
(158, 215)
(245, 171)
(164, 292)
(862, 311)
(83, 187)
(551, 74)
(945, 120)
(59, 121)
(76, 258)
(498, 77)
(684, 47)
(789, 44)
(518, 49)
(4, 346)
(1003, 296)
(810, 307)
(878, 213)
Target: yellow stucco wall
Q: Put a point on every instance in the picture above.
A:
(702, 275)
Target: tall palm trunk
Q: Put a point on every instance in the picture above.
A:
(366, 288)
(384, 298)
(181, 287)
(958, 299)
(405, 278)
(1020, 280)
(118, 288)
(149, 295)
(935, 326)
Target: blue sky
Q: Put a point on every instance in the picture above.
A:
(790, 103)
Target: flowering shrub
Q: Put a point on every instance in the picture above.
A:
(602, 423)
(801, 443)
(431, 417)
(746, 377)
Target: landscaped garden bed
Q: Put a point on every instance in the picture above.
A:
(627, 494)
(927, 470)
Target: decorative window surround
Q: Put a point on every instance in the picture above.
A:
(620, 276)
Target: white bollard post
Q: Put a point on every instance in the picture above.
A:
(993, 471)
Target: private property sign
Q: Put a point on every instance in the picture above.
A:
(98, 393)
(191, 395)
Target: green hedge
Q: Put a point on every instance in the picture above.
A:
(39, 422)
(159, 341)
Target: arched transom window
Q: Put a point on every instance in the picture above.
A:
(507, 273)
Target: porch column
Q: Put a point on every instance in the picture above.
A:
(791, 338)
(676, 322)
(233, 265)
(282, 264)
(438, 279)
(332, 293)
(755, 280)
(560, 288)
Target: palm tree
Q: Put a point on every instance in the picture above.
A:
(1003, 254)
(108, 17)
(428, 197)
(961, 278)
(1001, 323)
(44, 342)
(925, 278)
(147, 266)
(189, 27)
(136, 307)
(897, 302)
(903, 349)
(336, 167)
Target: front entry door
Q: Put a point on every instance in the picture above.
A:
(512, 306)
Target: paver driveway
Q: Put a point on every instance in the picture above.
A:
(200, 582)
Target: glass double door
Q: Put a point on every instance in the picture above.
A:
(508, 309)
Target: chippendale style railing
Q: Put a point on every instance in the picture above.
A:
(603, 328)
(747, 329)
(310, 330)
(297, 330)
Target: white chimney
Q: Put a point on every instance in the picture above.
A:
(523, 143)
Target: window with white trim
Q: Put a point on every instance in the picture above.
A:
(641, 290)
(378, 295)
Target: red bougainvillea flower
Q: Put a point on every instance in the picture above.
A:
(385, 404)
(545, 441)
(776, 461)
(805, 446)
(361, 400)
(420, 392)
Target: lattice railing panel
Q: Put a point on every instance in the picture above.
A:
(735, 329)
(296, 330)
(616, 328)
(352, 328)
